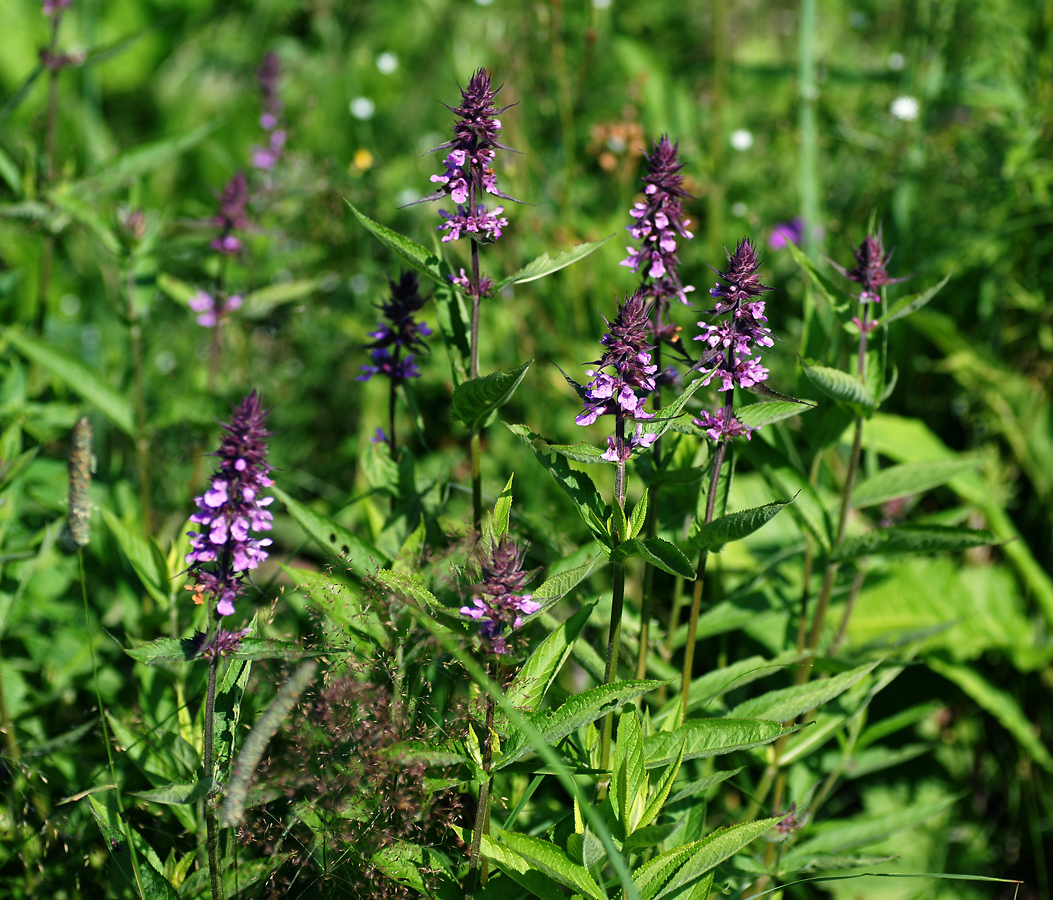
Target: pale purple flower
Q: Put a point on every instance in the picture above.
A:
(786, 233)
(721, 424)
(213, 311)
(499, 602)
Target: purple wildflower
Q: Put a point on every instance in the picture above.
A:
(231, 215)
(213, 310)
(468, 171)
(231, 509)
(787, 233)
(659, 222)
(731, 343)
(629, 354)
(271, 118)
(869, 270)
(464, 282)
(54, 7)
(404, 333)
(499, 603)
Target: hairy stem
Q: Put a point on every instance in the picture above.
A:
(610, 672)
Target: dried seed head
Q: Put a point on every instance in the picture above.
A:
(79, 482)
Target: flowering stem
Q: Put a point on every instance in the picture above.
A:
(700, 574)
(477, 871)
(652, 514)
(618, 595)
(476, 456)
(208, 759)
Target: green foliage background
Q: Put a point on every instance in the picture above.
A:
(164, 111)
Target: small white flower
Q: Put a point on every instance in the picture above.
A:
(387, 63)
(739, 209)
(601, 4)
(896, 61)
(363, 108)
(741, 139)
(905, 108)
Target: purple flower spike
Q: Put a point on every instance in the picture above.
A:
(869, 270)
(732, 342)
(271, 118)
(213, 311)
(660, 222)
(231, 215)
(232, 509)
(499, 602)
(468, 172)
(404, 333)
(787, 233)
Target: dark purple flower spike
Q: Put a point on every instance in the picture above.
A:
(499, 602)
(231, 510)
(869, 270)
(231, 215)
(404, 333)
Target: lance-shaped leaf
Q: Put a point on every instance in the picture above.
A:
(260, 302)
(628, 774)
(554, 862)
(789, 702)
(408, 586)
(734, 526)
(422, 259)
(518, 870)
(177, 793)
(546, 265)
(559, 585)
(902, 539)
(702, 738)
(333, 536)
(144, 875)
(578, 486)
(660, 793)
(909, 478)
(77, 377)
(757, 415)
(476, 402)
(826, 288)
(658, 552)
(503, 509)
(577, 711)
(144, 556)
(842, 387)
(454, 318)
(913, 302)
(539, 671)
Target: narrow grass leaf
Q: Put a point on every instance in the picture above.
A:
(77, 377)
(331, 535)
(252, 750)
(144, 556)
(999, 704)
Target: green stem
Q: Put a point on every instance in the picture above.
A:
(477, 870)
(142, 441)
(208, 754)
(806, 120)
(610, 672)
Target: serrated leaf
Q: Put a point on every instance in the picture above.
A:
(702, 738)
(785, 704)
(913, 302)
(144, 556)
(553, 862)
(537, 674)
(713, 684)
(577, 485)
(422, 259)
(163, 650)
(639, 515)
(334, 537)
(909, 478)
(177, 793)
(77, 377)
(559, 585)
(546, 265)
(842, 387)
(901, 539)
(660, 793)
(649, 836)
(703, 784)
(503, 509)
(577, 711)
(582, 452)
(658, 552)
(518, 870)
(476, 402)
(711, 851)
(756, 415)
(628, 774)
(260, 302)
(735, 526)
(999, 704)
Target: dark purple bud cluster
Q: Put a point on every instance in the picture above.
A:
(231, 510)
(869, 270)
(499, 602)
(731, 342)
(629, 354)
(468, 165)
(659, 222)
(402, 334)
(271, 118)
(231, 215)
